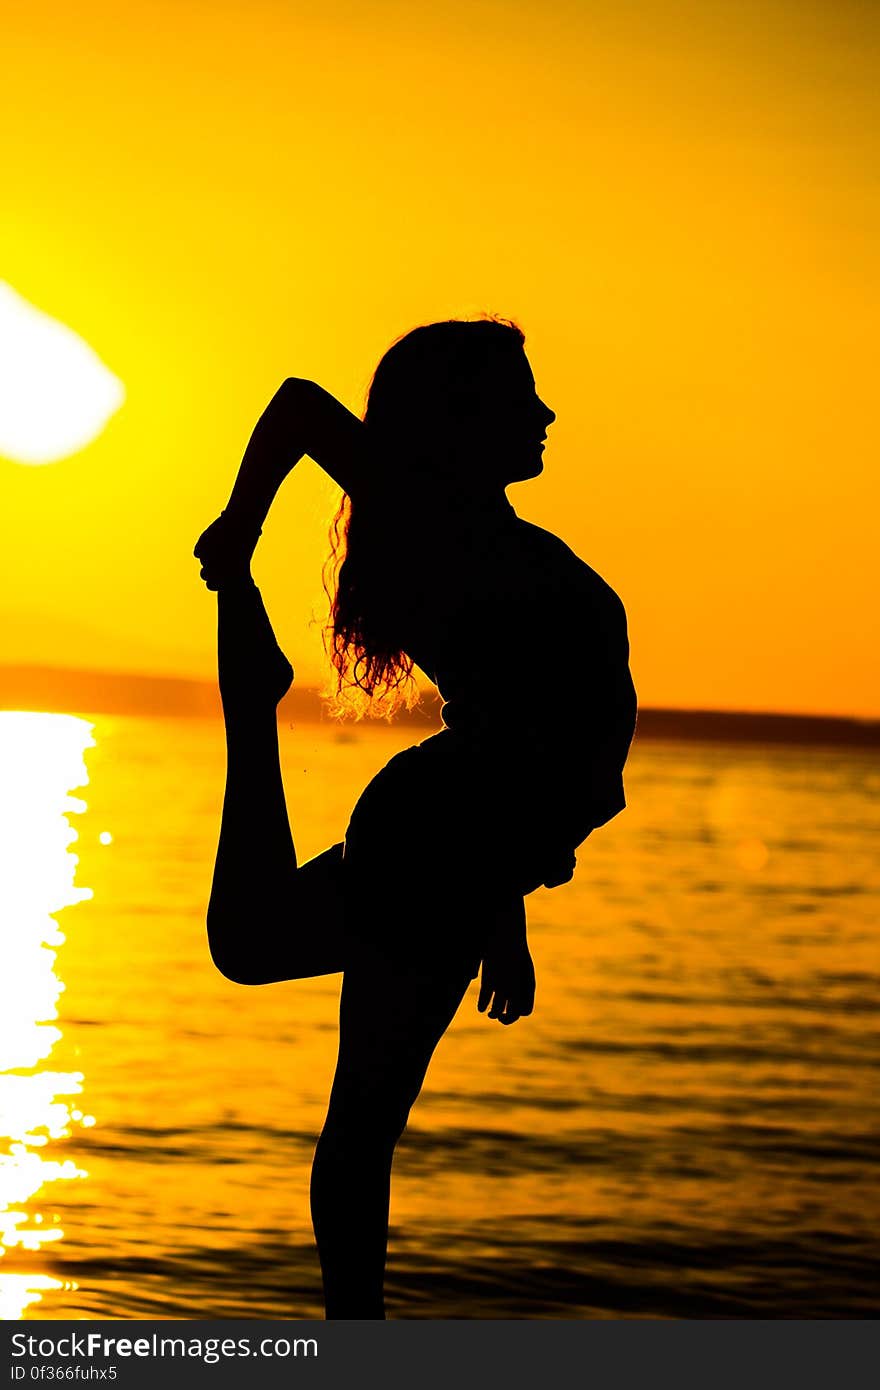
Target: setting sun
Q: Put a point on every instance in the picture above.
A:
(56, 395)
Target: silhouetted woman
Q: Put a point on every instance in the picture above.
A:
(528, 648)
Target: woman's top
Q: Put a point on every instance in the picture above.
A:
(528, 648)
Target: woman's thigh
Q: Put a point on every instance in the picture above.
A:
(418, 866)
(306, 936)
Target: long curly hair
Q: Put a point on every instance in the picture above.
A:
(380, 564)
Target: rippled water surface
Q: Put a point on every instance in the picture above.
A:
(686, 1127)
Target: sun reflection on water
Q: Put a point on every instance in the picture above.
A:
(41, 761)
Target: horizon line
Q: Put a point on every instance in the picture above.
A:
(97, 691)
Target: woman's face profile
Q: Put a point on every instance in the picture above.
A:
(509, 422)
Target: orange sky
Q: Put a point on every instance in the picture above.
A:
(679, 203)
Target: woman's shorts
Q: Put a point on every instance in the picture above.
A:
(438, 840)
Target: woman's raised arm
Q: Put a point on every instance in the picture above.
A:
(335, 438)
(301, 418)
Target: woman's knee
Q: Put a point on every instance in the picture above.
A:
(239, 966)
(236, 950)
(267, 936)
(368, 1115)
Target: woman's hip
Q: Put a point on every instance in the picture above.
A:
(438, 818)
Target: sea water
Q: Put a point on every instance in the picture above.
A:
(685, 1127)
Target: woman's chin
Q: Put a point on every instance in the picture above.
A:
(529, 468)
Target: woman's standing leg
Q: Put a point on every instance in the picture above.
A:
(268, 918)
(390, 1021)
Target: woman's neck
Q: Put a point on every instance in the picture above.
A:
(472, 505)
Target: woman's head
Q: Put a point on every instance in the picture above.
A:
(453, 405)
(452, 414)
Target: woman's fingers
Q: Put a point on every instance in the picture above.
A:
(507, 1003)
(491, 992)
(486, 989)
(224, 553)
(207, 541)
(498, 1005)
(505, 1007)
(229, 540)
(508, 986)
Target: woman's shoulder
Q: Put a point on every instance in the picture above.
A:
(558, 559)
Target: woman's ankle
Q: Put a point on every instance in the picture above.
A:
(237, 588)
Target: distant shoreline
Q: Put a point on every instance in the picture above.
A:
(52, 689)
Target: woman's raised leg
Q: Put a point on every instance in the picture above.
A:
(268, 918)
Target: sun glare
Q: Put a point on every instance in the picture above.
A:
(56, 395)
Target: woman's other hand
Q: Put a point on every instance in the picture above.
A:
(507, 979)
